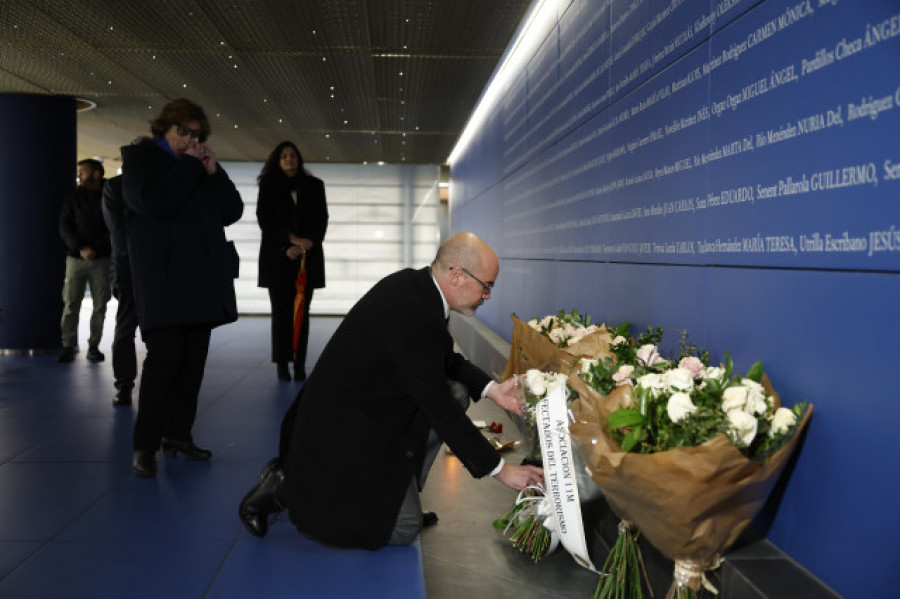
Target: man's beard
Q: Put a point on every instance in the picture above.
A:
(470, 310)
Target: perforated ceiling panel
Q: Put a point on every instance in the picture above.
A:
(348, 80)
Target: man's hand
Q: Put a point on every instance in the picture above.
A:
(87, 252)
(294, 252)
(519, 477)
(506, 396)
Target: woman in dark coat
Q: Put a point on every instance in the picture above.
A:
(178, 201)
(293, 216)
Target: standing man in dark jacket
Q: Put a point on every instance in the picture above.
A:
(178, 201)
(87, 263)
(382, 387)
(124, 357)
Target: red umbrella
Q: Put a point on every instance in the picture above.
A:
(300, 299)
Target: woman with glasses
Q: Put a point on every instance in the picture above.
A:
(293, 216)
(178, 202)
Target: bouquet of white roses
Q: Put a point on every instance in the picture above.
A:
(628, 360)
(565, 328)
(688, 456)
(556, 345)
(524, 522)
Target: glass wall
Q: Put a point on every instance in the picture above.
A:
(381, 218)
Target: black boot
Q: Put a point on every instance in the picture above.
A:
(260, 502)
(144, 462)
(283, 373)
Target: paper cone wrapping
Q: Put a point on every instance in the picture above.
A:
(531, 349)
(691, 503)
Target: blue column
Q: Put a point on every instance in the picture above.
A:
(37, 171)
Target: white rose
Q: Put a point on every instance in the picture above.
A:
(546, 322)
(714, 373)
(619, 339)
(557, 335)
(679, 406)
(533, 376)
(587, 364)
(679, 378)
(623, 375)
(743, 427)
(554, 380)
(754, 387)
(756, 404)
(734, 398)
(652, 381)
(782, 421)
(534, 324)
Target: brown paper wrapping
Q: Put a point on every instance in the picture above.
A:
(531, 349)
(691, 503)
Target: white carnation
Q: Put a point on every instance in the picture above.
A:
(679, 378)
(652, 381)
(782, 421)
(587, 364)
(743, 427)
(679, 406)
(734, 398)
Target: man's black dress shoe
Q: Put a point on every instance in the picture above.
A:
(144, 462)
(122, 397)
(186, 448)
(429, 519)
(283, 372)
(299, 373)
(94, 354)
(260, 502)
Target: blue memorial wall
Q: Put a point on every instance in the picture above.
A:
(730, 168)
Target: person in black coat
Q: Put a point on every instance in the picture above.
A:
(124, 356)
(356, 444)
(178, 200)
(293, 217)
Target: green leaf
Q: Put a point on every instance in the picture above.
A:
(625, 417)
(756, 371)
(729, 366)
(632, 438)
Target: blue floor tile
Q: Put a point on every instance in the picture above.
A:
(75, 522)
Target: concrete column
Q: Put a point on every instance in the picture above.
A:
(37, 171)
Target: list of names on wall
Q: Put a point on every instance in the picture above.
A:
(747, 135)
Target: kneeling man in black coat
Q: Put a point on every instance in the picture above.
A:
(383, 387)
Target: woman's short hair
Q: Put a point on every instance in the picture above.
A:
(177, 112)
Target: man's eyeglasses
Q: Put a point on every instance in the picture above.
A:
(194, 133)
(485, 287)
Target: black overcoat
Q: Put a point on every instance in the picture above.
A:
(278, 217)
(363, 417)
(175, 217)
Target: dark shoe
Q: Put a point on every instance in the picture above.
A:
(187, 449)
(94, 355)
(260, 502)
(283, 373)
(299, 373)
(122, 397)
(144, 462)
(429, 519)
(66, 355)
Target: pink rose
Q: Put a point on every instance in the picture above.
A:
(694, 365)
(648, 354)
